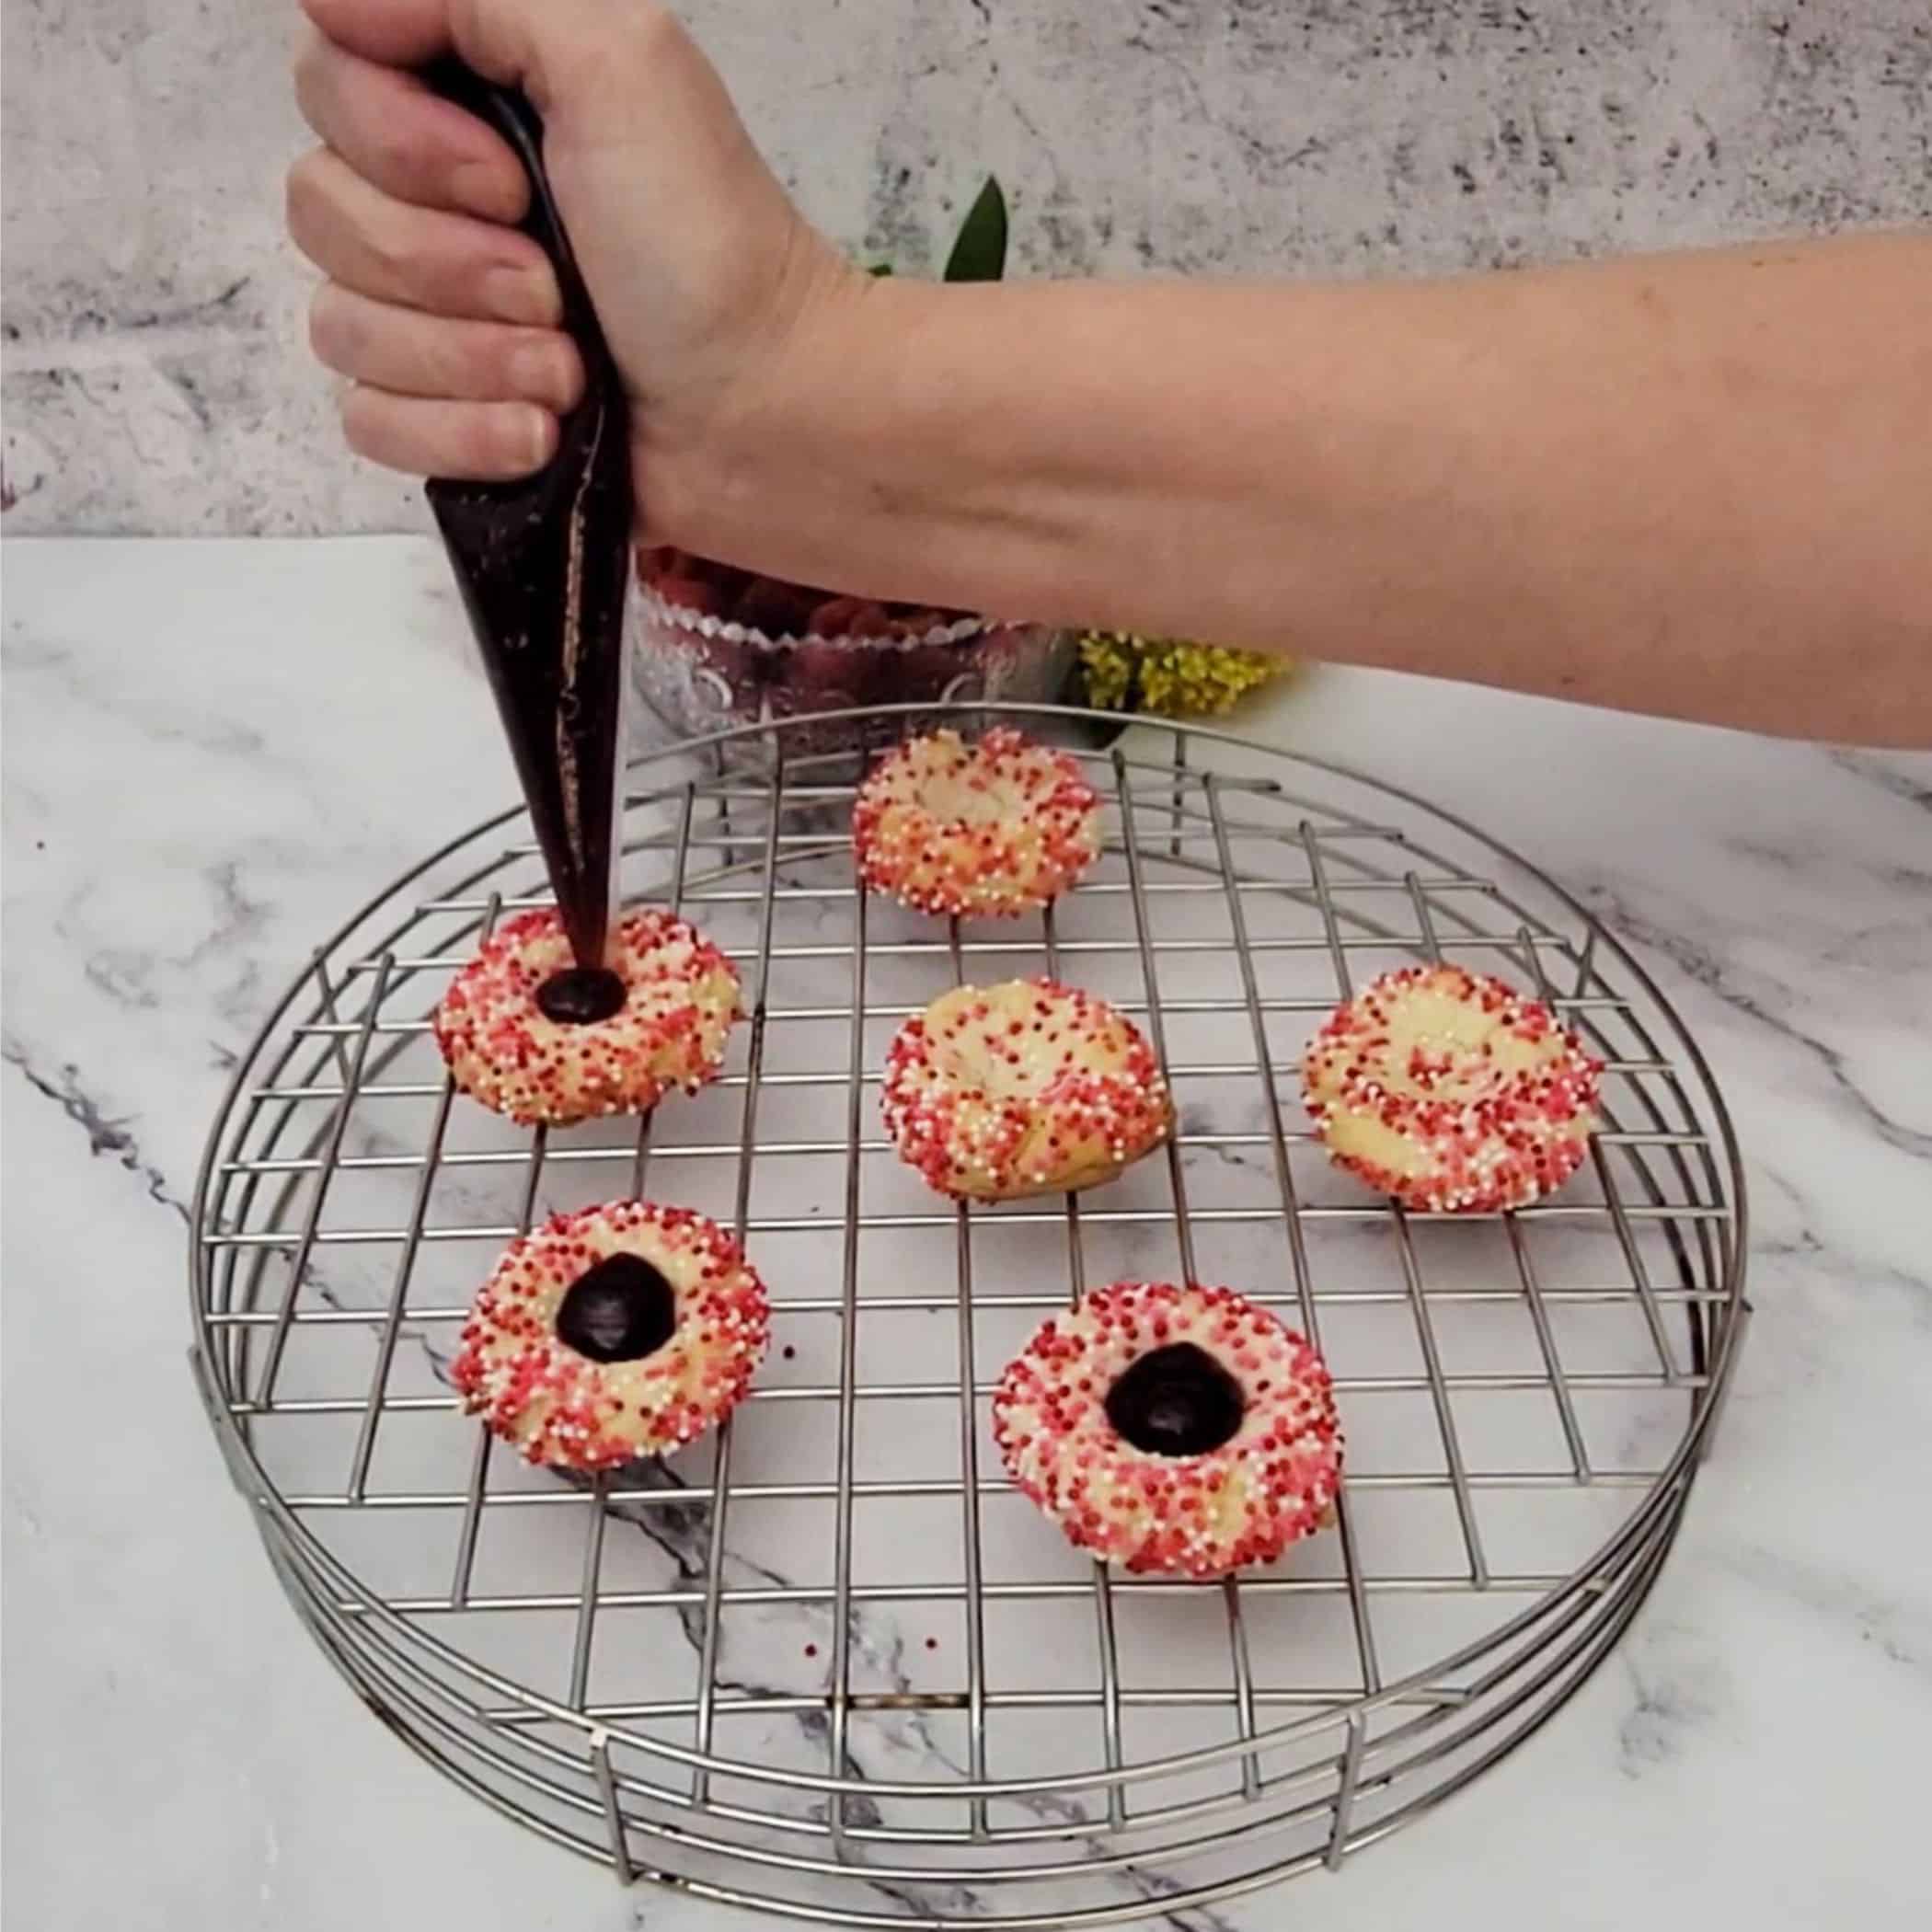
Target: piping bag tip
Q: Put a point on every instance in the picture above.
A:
(544, 567)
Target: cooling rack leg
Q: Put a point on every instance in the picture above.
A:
(613, 1813)
(1345, 1797)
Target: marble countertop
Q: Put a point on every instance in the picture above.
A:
(214, 750)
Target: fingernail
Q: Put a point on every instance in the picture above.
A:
(539, 435)
(523, 295)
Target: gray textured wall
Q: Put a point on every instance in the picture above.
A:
(156, 378)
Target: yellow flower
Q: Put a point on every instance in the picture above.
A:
(1107, 662)
(1171, 676)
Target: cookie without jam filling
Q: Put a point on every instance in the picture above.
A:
(995, 1093)
(990, 829)
(1451, 1092)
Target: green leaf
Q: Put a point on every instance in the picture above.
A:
(980, 252)
(880, 268)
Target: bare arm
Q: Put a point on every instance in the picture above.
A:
(1697, 484)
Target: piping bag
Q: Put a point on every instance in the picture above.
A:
(544, 566)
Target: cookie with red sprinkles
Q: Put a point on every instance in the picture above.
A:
(992, 828)
(1451, 1092)
(1181, 1431)
(530, 1034)
(615, 1332)
(995, 1093)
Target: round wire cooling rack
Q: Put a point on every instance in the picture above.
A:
(829, 1663)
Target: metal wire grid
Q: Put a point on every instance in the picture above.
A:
(1319, 1747)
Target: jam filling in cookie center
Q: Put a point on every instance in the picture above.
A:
(619, 1310)
(1176, 1400)
(579, 995)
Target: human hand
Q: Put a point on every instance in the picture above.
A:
(445, 315)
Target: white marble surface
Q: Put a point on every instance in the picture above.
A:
(213, 751)
(152, 306)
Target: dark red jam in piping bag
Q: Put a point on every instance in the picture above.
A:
(544, 566)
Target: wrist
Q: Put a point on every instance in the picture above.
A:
(776, 478)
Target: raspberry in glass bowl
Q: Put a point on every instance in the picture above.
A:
(719, 646)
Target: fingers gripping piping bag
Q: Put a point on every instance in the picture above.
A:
(544, 567)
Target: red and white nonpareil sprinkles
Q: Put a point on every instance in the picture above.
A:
(993, 828)
(1028, 1087)
(570, 1411)
(1271, 1481)
(680, 996)
(1451, 1092)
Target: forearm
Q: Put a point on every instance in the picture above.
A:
(1697, 484)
